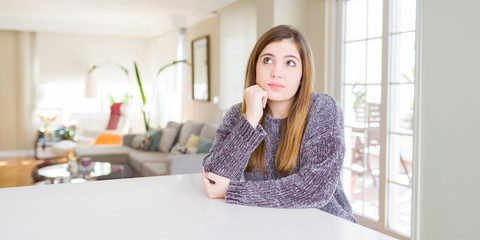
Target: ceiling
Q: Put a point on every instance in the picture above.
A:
(141, 18)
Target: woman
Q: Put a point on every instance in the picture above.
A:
(287, 141)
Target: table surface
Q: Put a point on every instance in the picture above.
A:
(165, 207)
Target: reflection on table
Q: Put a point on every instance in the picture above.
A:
(63, 173)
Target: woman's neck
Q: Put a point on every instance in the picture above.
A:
(279, 109)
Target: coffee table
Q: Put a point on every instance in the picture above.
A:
(60, 173)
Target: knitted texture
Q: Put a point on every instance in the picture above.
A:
(315, 180)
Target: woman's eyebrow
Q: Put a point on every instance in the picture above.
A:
(268, 54)
(291, 56)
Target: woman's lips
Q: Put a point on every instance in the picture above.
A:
(276, 86)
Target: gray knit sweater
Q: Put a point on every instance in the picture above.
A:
(315, 180)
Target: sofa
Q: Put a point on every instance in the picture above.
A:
(169, 157)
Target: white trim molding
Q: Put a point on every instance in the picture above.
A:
(17, 153)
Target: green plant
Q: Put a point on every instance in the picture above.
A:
(359, 94)
(409, 78)
(126, 97)
(147, 127)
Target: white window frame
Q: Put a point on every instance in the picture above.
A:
(335, 27)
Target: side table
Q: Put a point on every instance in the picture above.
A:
(60, 173)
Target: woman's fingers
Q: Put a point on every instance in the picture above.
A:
(256, 99)
(205, 181)
(215, 185)
(264, 100)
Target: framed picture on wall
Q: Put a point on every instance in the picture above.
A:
(200, 69)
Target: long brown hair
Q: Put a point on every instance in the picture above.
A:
(293, 126)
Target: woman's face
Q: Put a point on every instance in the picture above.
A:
(279, 70)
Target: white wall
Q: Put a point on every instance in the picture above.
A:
(450, 130)
(317, 34)
(167, 95)
(66, 58)
(309, 17)
(236, 43)
(16, 92)
(203, 111)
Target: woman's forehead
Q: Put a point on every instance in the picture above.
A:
(282, 48)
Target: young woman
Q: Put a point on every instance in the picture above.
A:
(287, 141)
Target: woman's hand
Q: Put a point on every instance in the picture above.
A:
(214, 185)
(256, 100)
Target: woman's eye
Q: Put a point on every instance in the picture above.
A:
(267, 60)
(291, 63)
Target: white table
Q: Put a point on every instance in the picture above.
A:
(168, 207)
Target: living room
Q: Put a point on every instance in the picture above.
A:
(51, 65)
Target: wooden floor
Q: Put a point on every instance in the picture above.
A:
(16, 172)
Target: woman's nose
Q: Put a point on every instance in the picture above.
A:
(276, 72)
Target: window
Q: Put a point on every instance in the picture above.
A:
(70, 105)
(378, 89)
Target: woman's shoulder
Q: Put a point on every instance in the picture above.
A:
(325, 116)
(322, 102)
(232, 115)
(234, 110)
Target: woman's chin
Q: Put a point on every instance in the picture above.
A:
(278, 98)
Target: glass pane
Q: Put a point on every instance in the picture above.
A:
(373, 131)
(374, 94)
(403, 58)
(347, 183)
(375, 16)
(373, 150)
(371, 196)
(355, 106)
(373, 120)
(355, 62)
(404, 15)
(400, 202)
(401, 109)
(357, 193)
(400, 162)
(355, 19)
(352, 146)
(374, 61)
(358, 150)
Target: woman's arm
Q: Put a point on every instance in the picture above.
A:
(235, 141)
(312, 186)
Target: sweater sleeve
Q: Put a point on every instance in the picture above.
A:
(313, 185)
(235, 141)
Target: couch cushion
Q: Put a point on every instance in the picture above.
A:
(174, 125)
(154, 169)
(156, 136)
(167, 139)
(138, 158)
(192, 141)
(189, 128)
(113, 154)
(203, 145)
(186, 164)
(209, 131)
(141, 142)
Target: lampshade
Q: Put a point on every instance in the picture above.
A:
(91, 86)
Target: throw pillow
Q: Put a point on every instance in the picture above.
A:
(178, 150)
(156, 134)
(192, 141)
(204, 145)
(141, 142)
(166, 142)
